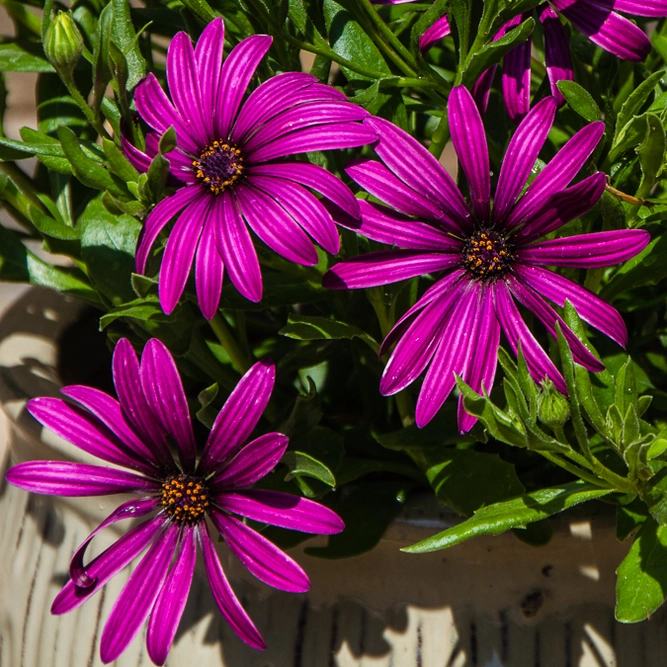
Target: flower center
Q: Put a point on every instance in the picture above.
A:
(185, 498)
(219, 166)
(487, 255)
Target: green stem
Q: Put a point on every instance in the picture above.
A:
(225, 335)
(23, 182)
(388, 35)
(575, 470)
(82, 103)
(200, 355)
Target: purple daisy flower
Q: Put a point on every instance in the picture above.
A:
(135, 432)
(599, 20)
(489, 255)
(229, 158)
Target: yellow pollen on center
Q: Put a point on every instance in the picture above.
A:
(184, 498)
(219, 166)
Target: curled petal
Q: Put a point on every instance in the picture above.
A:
(557, 56)
(516, 80)
(434, 33)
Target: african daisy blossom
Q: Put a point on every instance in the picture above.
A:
(488, 254)
(229, 160)
(597, 19)
(177, 494)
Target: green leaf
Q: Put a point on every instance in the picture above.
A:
(118, 163)
(18, 264)
(366, 511)
(124, 36)
(207, 414)
(305, 414)
(632, 106)
(317, 454)
(88, 171)
(349, 40)
(465, 479)
(629, 517)
(651, 154)
(515, 513)
(654, 494)
(22, 56)
(632, 134)
(108, 244)
(492, 53)
(312, 327)
(580, 100)
(641, 586)
(143, 310)
(279, 289)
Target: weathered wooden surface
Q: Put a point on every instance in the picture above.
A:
(494, 602)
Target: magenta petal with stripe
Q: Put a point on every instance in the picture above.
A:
(485, 259)
(178, 486)
(224, 140)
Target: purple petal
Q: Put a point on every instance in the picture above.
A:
(138, 159)
(520, 156)
(376, 179)
(184, 87)
(132, 509)
(164, 393)
(171, 600)
(180, 252)
(557, 174)
(262, 558)
(208, 56)
(138, 596)
(655, 8)
(274, 226)
(434, 292)
(238, 416)
(454, 348)
(548, 316)
(62, 478)
(557, 56)
(224, 596)
(608, 30)
(236, 247)
(272, 97)
(418, 344)
(407, 159)
(315, 177)
(209, 269)
(257, 459)
(482, 356)
(109, 412)
(434, 33)
(482, 88)
(517, 333)
(516, 80)
(237, 72)
(303, 116)
(590, 307)
(304, 207)
(282, 509)
(384, 225)
(159, 217)
(470, 144)
(156, 109)
(107, 564)
(562, 207)
(321, 138)
(587, 250)
(85, 432)
(127, 380)
(386, 267)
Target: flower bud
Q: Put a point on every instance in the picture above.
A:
(553, 408)
(63, 43)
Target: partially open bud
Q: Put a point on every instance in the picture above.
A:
(63, 43)
(553, 408)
